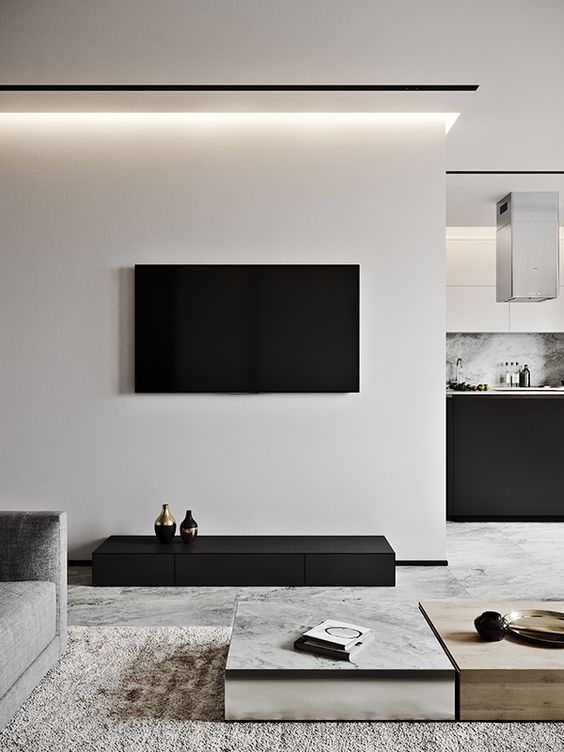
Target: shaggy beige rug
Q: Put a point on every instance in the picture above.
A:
(158, 689)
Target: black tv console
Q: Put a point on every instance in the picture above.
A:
(249, 560)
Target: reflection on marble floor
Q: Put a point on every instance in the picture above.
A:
(90, 606)
(486, 560)
(508, 560)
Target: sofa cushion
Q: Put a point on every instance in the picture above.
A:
(27, 626)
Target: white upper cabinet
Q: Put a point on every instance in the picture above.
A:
(547, 316)
(474, 309)
(471, 294)
(470, 262)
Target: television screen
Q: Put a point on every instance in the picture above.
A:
(247, 328)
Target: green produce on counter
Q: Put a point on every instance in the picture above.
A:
(464, 387)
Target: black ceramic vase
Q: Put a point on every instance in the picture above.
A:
(491, 626)
(188, 528)
(165, 526)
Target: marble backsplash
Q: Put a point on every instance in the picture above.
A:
(484, 356)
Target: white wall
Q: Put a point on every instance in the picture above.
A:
(81, 203)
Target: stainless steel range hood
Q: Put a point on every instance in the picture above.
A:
(527, 247)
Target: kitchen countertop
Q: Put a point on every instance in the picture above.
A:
(548, 392)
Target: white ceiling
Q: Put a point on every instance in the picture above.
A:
(512, 48)
(471, 199)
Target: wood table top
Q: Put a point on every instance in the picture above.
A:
(453, 624)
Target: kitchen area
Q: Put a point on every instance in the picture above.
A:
(505, 365)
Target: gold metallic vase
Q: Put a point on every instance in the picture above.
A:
(165, 526)
(188, 528)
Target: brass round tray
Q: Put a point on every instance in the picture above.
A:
(546, 627)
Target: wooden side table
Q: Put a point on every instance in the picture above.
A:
(510, 680)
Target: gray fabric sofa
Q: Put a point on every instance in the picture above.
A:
(33, 602)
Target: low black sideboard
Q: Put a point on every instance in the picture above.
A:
(249, 560)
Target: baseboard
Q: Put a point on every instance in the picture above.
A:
(496, 518)
(422, 563)
(79, 563)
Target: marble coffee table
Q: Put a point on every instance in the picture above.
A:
(403, 674)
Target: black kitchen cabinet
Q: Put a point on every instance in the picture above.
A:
(505, 457)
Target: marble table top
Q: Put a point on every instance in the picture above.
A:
(264, 632)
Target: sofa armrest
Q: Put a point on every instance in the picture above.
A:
(33, 546)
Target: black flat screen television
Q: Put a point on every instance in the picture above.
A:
(247, 328)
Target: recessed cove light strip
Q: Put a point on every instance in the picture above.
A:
(239, 87)
(227, 118)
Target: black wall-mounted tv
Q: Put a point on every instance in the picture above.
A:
(247, 328)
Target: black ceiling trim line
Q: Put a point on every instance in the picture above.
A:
(238, 87)
(505, 172)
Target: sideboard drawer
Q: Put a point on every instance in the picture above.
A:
(350, 569)
(144, 570)
(240, 569)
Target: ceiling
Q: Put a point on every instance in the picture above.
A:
(512, 48)
(471, 199)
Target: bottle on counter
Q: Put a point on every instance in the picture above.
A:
(507, 374)
(458, 370)
(525, 376)
(515, 375)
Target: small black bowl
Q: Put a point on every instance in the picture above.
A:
(491, 626)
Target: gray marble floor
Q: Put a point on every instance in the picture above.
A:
(486, 560)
